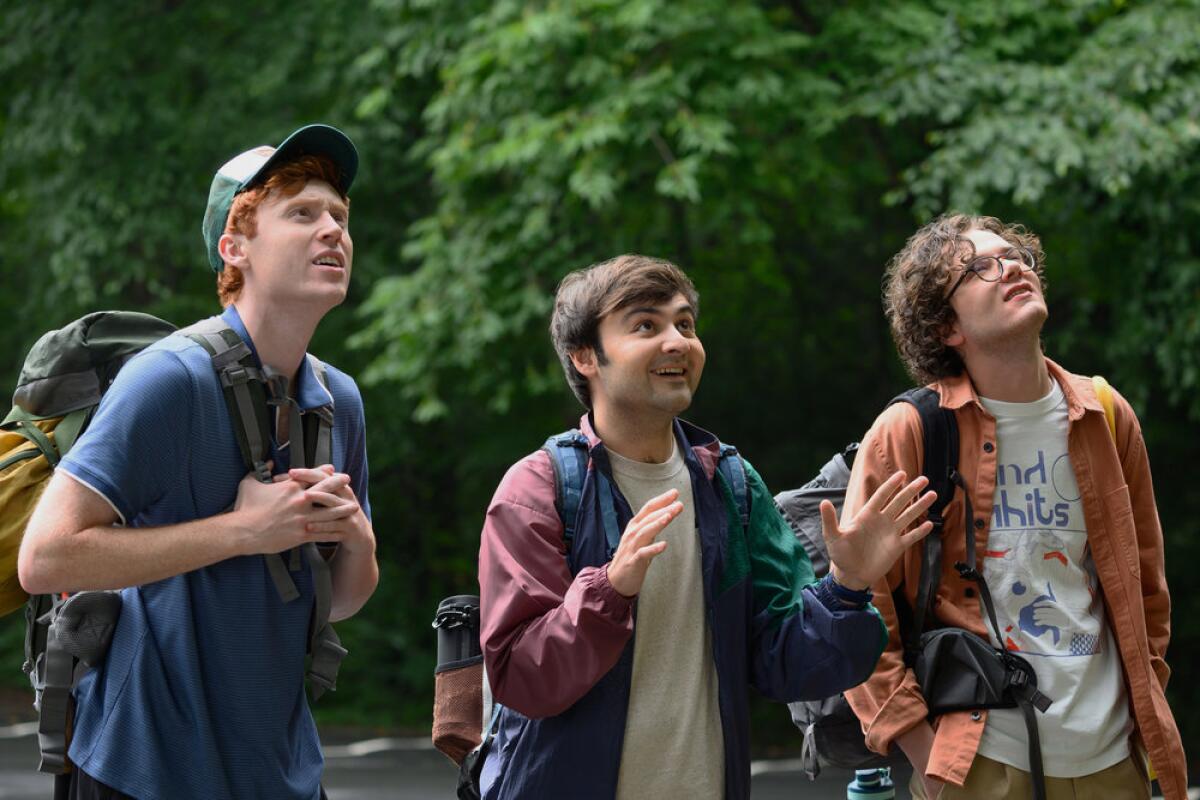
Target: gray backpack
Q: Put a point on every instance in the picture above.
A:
(833, 735)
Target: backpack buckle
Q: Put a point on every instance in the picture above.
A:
(235, 375)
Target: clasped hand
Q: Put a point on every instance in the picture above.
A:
(297, 507)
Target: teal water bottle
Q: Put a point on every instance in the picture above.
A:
(871, 784)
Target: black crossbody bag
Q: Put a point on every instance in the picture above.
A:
(957, 669)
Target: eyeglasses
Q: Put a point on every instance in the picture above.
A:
(991, 268)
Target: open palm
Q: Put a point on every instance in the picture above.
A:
(865, 549)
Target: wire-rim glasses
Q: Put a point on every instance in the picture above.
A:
(991, 268)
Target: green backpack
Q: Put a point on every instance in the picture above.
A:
(64, 376)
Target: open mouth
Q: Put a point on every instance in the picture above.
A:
(1017, 291)
(670, 372)
(329, 260)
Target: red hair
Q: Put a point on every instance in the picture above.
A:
(287, 180)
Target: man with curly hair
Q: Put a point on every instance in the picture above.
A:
(1066, 536)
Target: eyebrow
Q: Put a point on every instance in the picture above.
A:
(334, 205)
(1008, 248)
(658, 311)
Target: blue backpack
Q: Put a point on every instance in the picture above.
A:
(569, 457)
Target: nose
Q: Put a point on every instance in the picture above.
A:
(1012, 268)
(331, 231)
(676, 342)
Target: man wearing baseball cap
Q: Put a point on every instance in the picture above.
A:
(201, 694)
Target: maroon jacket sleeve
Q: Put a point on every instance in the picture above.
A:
(547, 639)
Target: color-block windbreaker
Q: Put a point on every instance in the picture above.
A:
(1127, 548)
(558, 639)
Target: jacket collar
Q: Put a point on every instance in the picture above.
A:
(958, 391)
(695, 443)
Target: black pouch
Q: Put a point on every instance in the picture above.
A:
(958, 670)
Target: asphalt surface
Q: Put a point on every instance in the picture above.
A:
(401, 769)
(396, 768)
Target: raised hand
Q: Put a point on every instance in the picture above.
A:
(865, 549)
(637, 548)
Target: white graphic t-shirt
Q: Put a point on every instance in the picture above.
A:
(1039, 570)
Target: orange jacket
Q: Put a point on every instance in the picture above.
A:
(1126, 543)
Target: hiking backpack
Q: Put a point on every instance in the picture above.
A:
(832, 732)
(570, 456)
(60, 386)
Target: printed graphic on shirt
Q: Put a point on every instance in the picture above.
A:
(1037, 563)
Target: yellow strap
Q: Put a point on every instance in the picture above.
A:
(1105, 393)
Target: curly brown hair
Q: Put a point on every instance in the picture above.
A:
(916, 282)
(586, 296)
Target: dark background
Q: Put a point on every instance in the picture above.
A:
(780, 152)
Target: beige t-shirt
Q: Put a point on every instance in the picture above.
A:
(674, 745)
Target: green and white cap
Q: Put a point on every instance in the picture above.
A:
(246, 170)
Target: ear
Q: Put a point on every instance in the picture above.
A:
(584, 360)
(232, 247)
(952, 335)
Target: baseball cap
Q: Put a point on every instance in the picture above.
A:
(247, 169)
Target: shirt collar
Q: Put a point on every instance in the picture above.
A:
(957, 391)
(310, 394)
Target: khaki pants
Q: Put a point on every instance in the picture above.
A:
(991, 780)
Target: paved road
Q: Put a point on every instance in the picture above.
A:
(397, 769)
(409, 769)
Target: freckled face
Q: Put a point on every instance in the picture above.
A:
(302, 249)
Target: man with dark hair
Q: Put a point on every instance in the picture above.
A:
(1063, 526)
(622, 661)
(201, 694)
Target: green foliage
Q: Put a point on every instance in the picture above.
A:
(780, 151)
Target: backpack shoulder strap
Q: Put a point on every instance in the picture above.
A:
(244, 387)
(318, 422)
(734, 471)
(569, 457)
(1104, 393)
(940, 443)
(325, 646)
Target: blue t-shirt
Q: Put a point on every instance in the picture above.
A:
(202, 692)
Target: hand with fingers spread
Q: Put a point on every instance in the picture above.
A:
(280, 515)
(637, 548)
(865, 549)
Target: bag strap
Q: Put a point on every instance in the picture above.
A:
(31, 433)
(1104, 393)
(312, 445)
(569, 457)
(245, 387)
(733, 469)
(940, 461)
